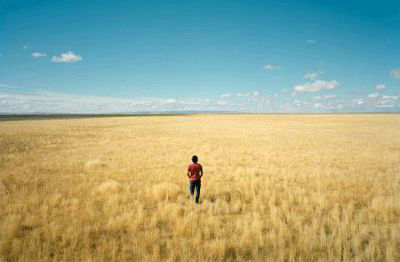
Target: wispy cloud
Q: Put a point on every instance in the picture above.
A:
(324, 97)
(316, 86)
(380, 87)
(270, 67)
(38, 54)
(390, 97)
(26, 47)
(296, 102)
(383, 101)
(169, 101)
(374, 95)
(68, 57)
(311, 41)
(7, 86)
(330, 96)
(313, 75)
(43, 101)
(318, 105)
(249, 94)
(395, 73)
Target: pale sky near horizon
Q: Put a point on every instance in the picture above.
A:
(247, 56)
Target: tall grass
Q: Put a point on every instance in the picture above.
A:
(275, 187)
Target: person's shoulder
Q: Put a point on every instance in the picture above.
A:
(200, 165)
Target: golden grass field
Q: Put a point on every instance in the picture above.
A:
(275, 187)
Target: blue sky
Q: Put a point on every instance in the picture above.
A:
(249, 56)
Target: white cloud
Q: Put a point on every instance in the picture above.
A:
(310, 41)
(390, 97)
(395, 73)
(42, 101)
(251, 94)
(385, 106)
(324, 97)
(38, 54)
(385, 101)
(271, 67)
(7, 86)
(318, 105)
(68, 57)
(312, 75)
(358, 101)
(170, 100)
(296, 103)
(50, 102)
(374, 95)
(26, 47)
(380, 87)
(316, 86)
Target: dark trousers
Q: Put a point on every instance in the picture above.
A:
(195, 185)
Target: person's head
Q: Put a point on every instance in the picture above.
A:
(195, 159)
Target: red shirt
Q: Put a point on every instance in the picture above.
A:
(194, 171)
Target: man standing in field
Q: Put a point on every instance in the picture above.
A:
(195, 172)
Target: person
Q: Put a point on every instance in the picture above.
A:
(195, 172)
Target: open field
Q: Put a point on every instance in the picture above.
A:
(275, 187)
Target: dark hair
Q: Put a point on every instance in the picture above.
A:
(195, 159)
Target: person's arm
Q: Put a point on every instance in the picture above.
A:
(201, 172)
(188, 172)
